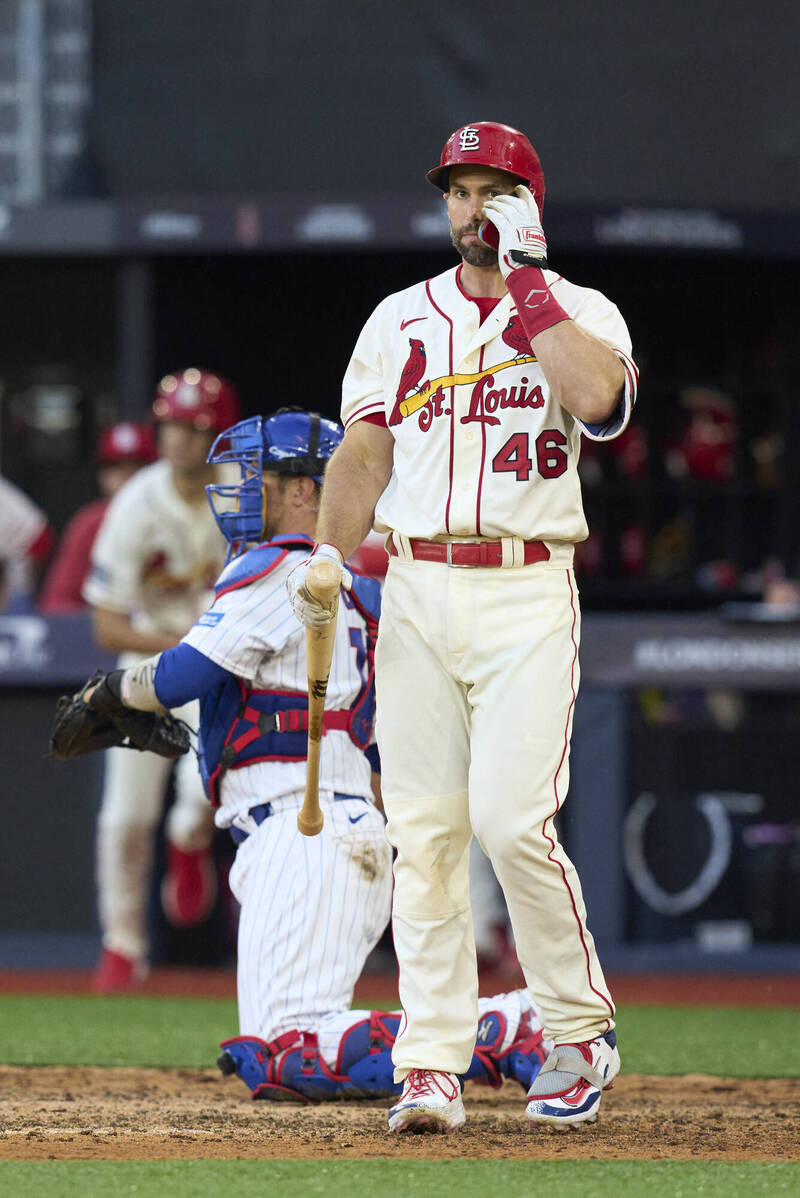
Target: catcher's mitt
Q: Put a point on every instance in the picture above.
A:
(104, 721)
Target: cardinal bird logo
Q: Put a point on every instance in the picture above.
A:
(413, 372)
(515, 336)
(156, 572)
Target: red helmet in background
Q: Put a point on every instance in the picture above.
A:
(486, 143)
(126, 442)
(200, 398)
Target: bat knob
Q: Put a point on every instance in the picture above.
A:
(310, 826)
(323, 579)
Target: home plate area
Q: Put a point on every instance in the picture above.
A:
(57, 1113)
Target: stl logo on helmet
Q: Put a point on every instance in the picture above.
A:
(469, 139)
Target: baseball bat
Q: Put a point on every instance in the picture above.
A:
(322, 581)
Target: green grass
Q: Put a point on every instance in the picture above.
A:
(407, 1178)
(185, 1032)
(728, 1041)
(175, 1032)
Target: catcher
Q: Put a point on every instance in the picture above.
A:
(311, 912)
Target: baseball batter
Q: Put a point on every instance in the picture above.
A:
(464, 406)
(311, 909)
(154, 563)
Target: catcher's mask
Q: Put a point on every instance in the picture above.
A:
(291, 441)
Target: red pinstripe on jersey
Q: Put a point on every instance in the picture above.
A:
(444, 316)
(371, 408)
(629, 362)
(631, 374)
(483, 462)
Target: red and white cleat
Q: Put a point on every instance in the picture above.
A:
(189, 889)
(567, 1090)
(430, 1102)
(116, 974)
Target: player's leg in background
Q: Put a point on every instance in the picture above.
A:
(189, 888)
(312, 909)
(133, 792)
(519, 776)
(423, 737)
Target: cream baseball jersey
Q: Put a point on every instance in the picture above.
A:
(482, 449)
(156, 557)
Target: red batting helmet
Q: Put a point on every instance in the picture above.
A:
(205, 400)
(486, 143)
(126, 442)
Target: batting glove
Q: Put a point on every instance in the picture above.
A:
(521, 239)
(308, 610)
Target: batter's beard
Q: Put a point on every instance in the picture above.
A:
(476, 254)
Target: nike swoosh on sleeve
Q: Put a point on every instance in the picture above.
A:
(355, 818)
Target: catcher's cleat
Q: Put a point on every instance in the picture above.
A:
(116, 974)
(189, 888)
(430, 1102)
(567, 1091)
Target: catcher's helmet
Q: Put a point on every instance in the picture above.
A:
(200, 398)
(486, 143)
(291, 441)
(126, 442)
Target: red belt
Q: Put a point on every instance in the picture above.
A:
(470, 553)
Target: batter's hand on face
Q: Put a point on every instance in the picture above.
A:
(519, 229)
(308, 610)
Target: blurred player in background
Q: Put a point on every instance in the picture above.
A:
(311, 908)
(26, 543)
(121, 451)
(154, 563)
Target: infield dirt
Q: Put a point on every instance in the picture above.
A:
(58, 1113)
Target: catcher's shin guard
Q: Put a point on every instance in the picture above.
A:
(520, 1061)
(291, 1067)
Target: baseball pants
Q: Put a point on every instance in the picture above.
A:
(312, 909)
(477, 673)
(133, 800)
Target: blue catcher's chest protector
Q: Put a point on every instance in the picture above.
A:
(240, 725)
